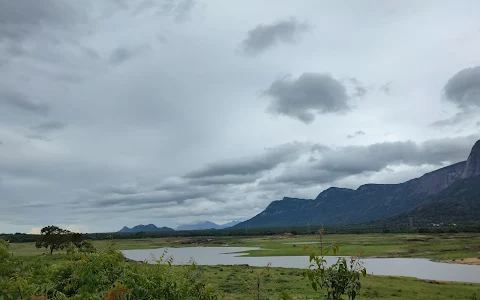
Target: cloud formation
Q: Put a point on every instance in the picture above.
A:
(463, 90)
(252, 165)
(306, 96)
(264, 37)
(355, 134)
(20, 101)
(331, 164)
(123, 112)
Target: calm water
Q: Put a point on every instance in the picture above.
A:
(412, 267)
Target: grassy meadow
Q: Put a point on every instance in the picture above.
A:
(239, 282)
(434, 246)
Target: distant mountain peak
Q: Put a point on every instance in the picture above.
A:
(472, 167)
(145, 228)
(206, 225)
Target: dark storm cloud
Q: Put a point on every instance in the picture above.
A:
(337, 163)
(309, 94)
(355, 134)
(251, 165)
(463, 89)
(264, 36)
(20, 101)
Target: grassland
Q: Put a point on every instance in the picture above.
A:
(445, 247)
(238, 282)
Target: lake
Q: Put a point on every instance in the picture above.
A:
(411, 267)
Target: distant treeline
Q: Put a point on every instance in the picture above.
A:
(330, 229)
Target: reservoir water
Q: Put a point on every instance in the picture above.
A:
(412, 267)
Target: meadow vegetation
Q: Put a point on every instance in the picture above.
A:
(96, 270)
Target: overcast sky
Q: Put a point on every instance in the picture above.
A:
(124, 112)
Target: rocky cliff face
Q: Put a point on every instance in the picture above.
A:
(472, 166)
(436, 181)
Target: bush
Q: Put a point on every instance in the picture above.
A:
(341, 278)
(103, 274)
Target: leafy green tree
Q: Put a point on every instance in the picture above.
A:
(53, 238)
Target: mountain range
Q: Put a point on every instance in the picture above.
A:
(207, 225)
(198, 226)
(145, 228)
(450, 194)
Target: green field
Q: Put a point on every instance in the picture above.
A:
(235, 282)
(238, 282)
(434, 246)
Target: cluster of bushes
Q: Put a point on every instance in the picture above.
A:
(85, 272)
(103, 274)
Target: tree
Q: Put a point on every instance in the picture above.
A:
(54, 238)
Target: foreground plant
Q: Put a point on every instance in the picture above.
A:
(88, 273)
(340, 279)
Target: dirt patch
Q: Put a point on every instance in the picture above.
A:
(468, 261)
(418, 240)
(397, 252)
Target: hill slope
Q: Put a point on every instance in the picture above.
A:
(372, 202)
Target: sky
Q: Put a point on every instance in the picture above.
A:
(122, 112)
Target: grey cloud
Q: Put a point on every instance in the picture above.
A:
(42, 130)
(309, 94)
(153, 197)
(463, 89)
(251, 165)
(122, 54)
(355, 134)
(264, 36)
(225, 179)
(386, 88)
(337, 163)
(21, 101)
(180, 9)
(359, 90)
(21, 18)
(458, 118)
(112, 189)
(478, 123)
(49, 126)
